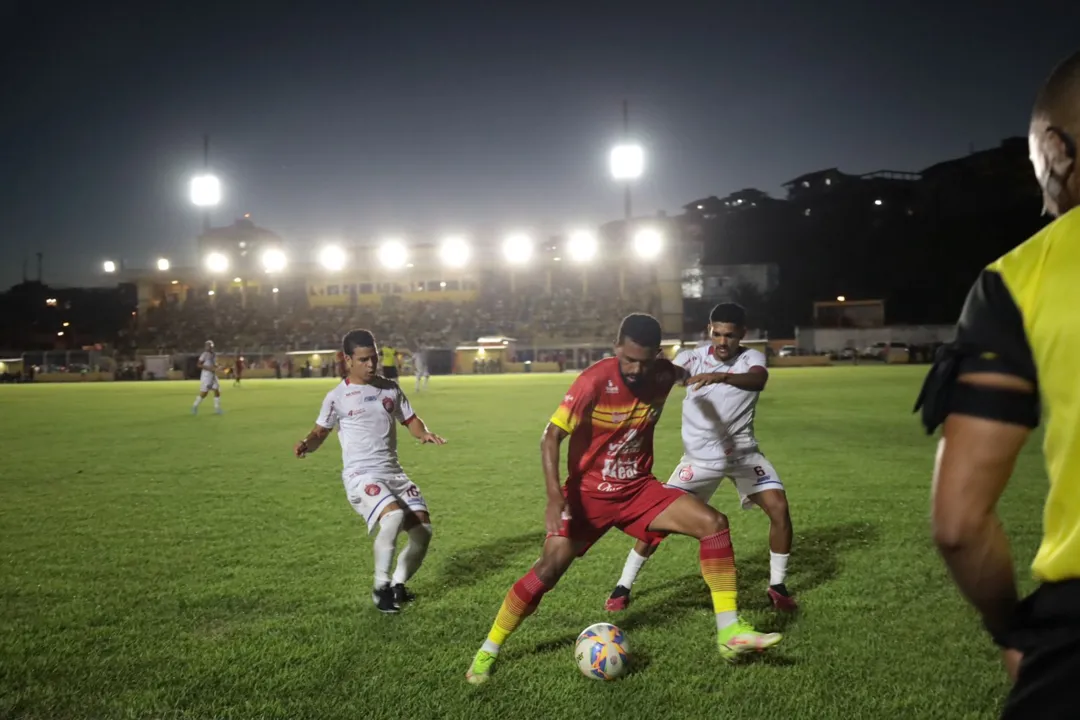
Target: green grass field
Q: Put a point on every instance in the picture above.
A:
(159, 565)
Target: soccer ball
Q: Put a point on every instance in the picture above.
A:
(602, 652)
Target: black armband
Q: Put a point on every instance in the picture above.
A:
(942, 394)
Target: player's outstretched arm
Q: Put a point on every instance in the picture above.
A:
(420, 431)
(975, 459)
(753, 380)
(311, 442)
(550, 445)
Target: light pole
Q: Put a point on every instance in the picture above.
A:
(627, 161)
(206, 188)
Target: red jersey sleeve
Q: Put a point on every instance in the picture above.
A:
(576, 405)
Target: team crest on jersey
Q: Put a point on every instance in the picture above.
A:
(372, 489)
(686, 474)
(388, 403)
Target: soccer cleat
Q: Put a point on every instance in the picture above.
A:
(480, 670)
(781, 598)
(619, 599)
(219, 411)
(383, 597)
(741, 639)
(402, 594)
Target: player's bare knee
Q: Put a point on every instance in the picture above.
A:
(554, 562)
(715, 522)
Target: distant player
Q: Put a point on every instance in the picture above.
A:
(420, 367)
(238, 369)
(389, 363)
(364, 407)
(718, 442)
(208, 379)
(609, 414)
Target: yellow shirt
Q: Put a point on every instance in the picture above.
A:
(1024, 315)
(389, 358)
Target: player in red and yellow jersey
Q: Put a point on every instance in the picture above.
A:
(609, 414)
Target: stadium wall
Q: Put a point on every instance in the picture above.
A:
(825, 340)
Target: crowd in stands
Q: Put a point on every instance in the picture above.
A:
(288, 323)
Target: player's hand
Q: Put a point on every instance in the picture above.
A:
(431, 438)
(556, 514)
(301, 450)
(1012, 658)
(699, 381)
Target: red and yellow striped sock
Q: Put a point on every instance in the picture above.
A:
(519, 603)
(718, 569)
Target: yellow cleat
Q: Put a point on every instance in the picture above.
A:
(480, 670)
(742, 639)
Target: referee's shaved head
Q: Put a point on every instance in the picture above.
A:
(1053, 137)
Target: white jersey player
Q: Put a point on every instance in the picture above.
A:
(365, 408)
(718, 442)
(420, 368)
(208, 379)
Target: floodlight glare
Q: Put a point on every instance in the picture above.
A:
(110, 266)
(454, 252)
(627, 162)
(273, 260)
(393, 254)
(582, 246)
(648, 243)
(332, 257)
(217, 262)
(518, 249)
(163, 264)
(205, 190)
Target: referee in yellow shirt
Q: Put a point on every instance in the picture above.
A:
(389, 362)
(1016, 361)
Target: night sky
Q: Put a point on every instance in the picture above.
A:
(358, 119)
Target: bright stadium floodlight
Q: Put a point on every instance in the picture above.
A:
(517, 249)
(217, 262)
(627, 161)
(273, 260)
(109, 266)
(648, 243)
(163, 264)
(332, 257)
(393, 254)
(455, 252)
(582, 246)
(205, 190)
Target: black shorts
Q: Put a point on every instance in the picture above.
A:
(390, 373)
(1047, 631)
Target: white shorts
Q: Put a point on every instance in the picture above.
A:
(370, 494)
(208, 383)
(751, 473)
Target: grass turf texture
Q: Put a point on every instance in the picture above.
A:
(158, 565)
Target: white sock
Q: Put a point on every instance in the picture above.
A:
(198, 400)
(410, 557)
(724, 619)
(490, 647)
(389, 527)
(217, 402)
(777, 568)
(631, 568)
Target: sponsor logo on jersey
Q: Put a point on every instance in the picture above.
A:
(568, 398)
(388, 404)
(606, 487)
(611, 388)
(372, 489)
(369, 398)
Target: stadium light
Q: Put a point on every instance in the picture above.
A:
(627, 161)
(236, 279)
(878, 202)
(582, 246)
(648, 243)
(217, 262)
(210, 292)
(518, 249)
(393, 254)
(332, 257)
(275, 290)
(273, 260)
(205, 190)
(840, 298)
(109, 266)
(455, 251)
(163, 264)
